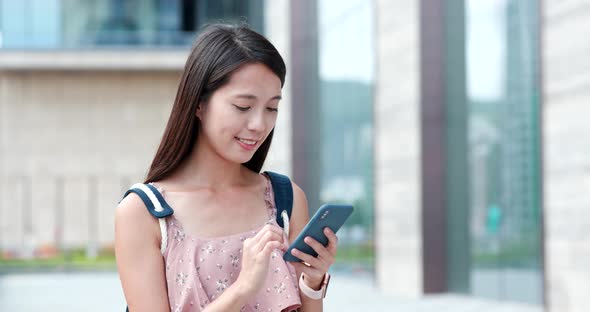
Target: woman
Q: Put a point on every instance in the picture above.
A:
(222, 249)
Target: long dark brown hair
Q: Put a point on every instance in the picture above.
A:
(217, 52)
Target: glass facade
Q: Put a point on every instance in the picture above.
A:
(494, 182)
(346, 122)
(71, 24)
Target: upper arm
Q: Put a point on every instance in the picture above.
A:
(139, 260)
(299, 214)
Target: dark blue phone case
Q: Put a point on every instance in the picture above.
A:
(332, 216)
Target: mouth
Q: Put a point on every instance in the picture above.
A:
(246, 143)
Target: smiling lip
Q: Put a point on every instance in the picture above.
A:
(246, 144)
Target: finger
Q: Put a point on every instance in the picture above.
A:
(322, 252)
(267, 228)
(270, 228)
(301, 267)
(270, 237)
(332, 241)
(270, 246)
(311, 260)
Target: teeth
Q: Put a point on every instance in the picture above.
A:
(247, 141)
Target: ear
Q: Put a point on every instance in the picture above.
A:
(199, 113)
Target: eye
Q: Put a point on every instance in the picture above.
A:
(242, 108)
(273, 109)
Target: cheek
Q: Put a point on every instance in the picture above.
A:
(230, 127)
(271, 122)
(220, 121)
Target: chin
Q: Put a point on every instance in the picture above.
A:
(241, 159)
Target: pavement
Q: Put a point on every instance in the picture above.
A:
(101, 291)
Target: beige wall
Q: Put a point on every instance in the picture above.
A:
(397, 149)
(95, 130)
(566, 65)
(77, 129)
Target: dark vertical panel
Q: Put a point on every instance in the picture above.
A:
(457, 149)
(188, 9)
(305, 98)
(432, 95)
(444, 147)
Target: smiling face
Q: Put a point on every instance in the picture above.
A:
(241, 114)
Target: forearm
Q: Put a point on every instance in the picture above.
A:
(311, 305)
(232, 299)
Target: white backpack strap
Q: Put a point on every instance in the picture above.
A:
(156, 205)
(285, 217)
(164, 230)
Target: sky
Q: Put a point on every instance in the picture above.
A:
(486, 49)
(346, 30)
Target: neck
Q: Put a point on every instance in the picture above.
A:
(206, 169)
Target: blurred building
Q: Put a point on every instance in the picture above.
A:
(457, 128)
(86, 88)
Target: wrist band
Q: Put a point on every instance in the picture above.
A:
(314, 294)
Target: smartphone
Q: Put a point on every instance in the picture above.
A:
(332, 216)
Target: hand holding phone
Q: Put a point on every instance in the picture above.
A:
(331, 216)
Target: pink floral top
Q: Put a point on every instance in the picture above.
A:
(199, 270)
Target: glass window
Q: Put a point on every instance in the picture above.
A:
(501, 146)
(345, 123)
(116, 23)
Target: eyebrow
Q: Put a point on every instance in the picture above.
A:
(253, 97)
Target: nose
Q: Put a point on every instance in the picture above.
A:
(256, 122)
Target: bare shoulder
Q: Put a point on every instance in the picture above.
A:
(132, 209)
(139, 260)
(132, 214)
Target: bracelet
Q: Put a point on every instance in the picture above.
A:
(314, 294)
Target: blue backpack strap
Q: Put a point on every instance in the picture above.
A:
(283, 191)
(152, 198)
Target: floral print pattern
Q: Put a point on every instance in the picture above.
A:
(217, 264)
